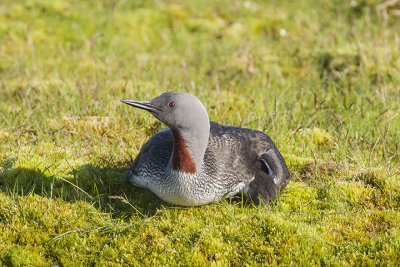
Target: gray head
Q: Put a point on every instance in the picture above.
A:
(184, 114)
(179, 111)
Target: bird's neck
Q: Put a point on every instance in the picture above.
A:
(189, 149)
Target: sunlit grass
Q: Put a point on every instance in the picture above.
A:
(322, 78)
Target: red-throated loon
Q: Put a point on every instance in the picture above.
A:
(196, 161)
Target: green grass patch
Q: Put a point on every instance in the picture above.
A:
(322, 78)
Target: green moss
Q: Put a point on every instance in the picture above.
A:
(18, 256)
(321, 78)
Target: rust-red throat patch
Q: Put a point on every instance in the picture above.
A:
(181, 159)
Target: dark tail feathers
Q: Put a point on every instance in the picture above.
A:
(271, 176)
(276, 167)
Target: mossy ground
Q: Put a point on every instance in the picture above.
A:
(322, 78)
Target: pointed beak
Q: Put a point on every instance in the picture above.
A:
(142, 105)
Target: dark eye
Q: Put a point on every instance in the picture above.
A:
(171, 104)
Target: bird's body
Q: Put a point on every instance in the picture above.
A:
(198, 162)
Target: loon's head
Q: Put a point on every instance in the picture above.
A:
(188, 120)
(179, 111)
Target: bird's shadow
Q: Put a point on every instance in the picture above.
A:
(106, 187)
